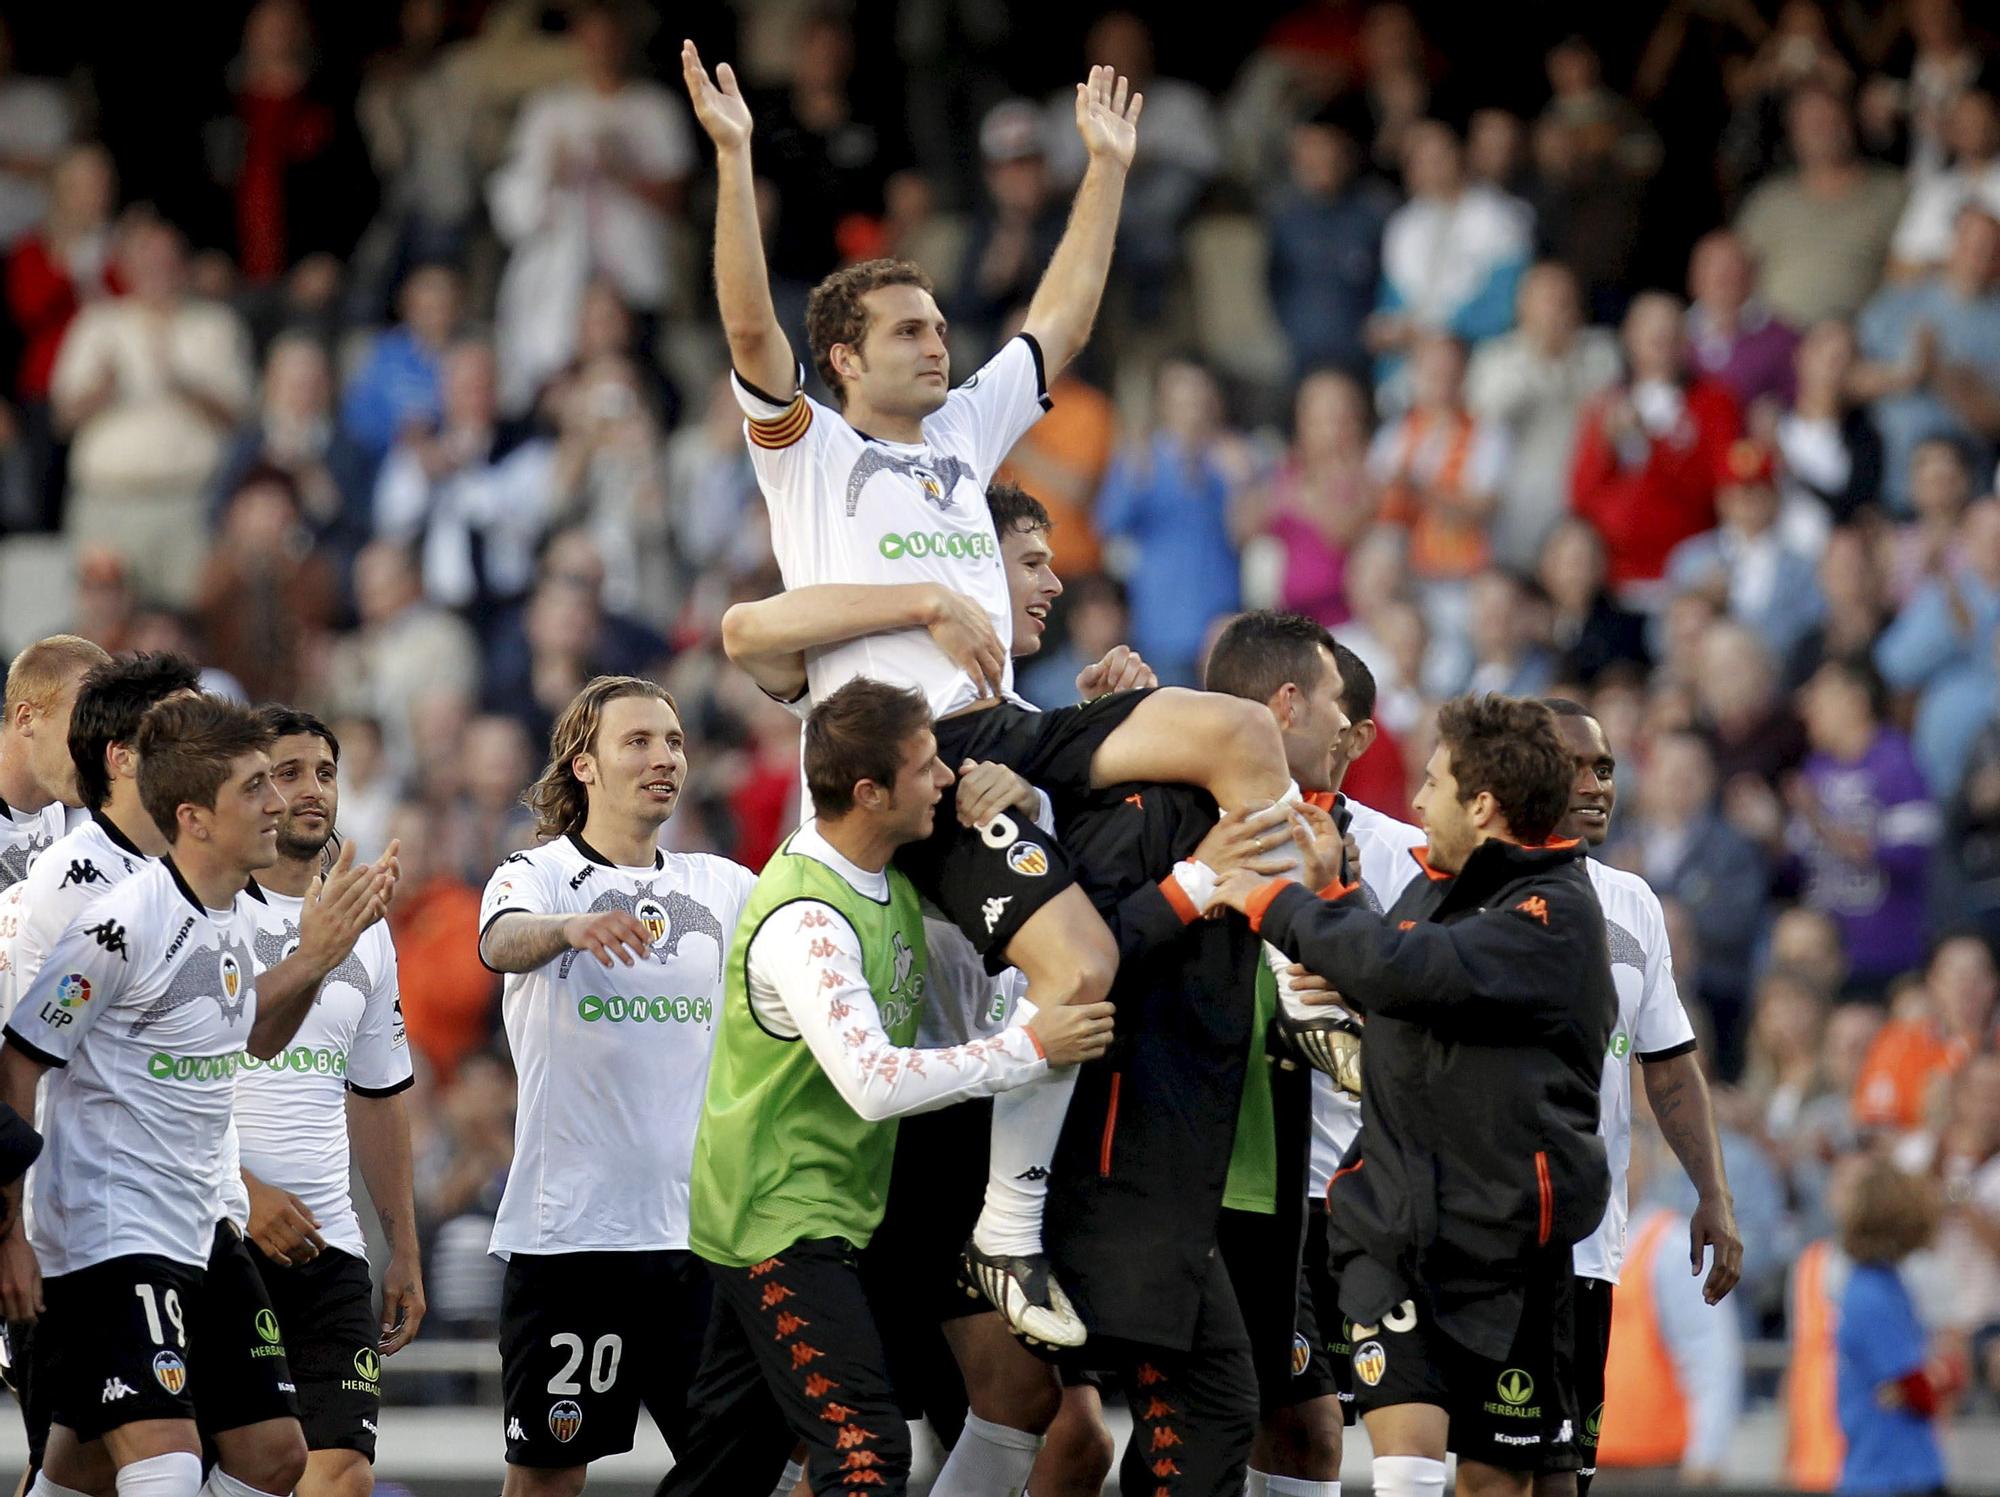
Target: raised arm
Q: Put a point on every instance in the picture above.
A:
(769, 638)
(338, 908)
(757, 346)
(1065, 303)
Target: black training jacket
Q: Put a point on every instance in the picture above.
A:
(1137, 1186)
(1488, 1005)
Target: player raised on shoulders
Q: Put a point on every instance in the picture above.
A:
(614, 953)
(889, 489)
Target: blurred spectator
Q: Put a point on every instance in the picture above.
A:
(1908, 104)
(1169, 497)
(1888, 1389)
(1309, 58)
(1095, 620)
(1320, 499)
(1746, 563)
(36, 125)
(1862, 824)
(826, 155)
(1496, 151)
(1679, 843)
(1852, 607)
(267, 596)
(595, 171)
(716, 512)
(1673, 1373)
(1931, 355)
(1062, 460)
(403, 649)
(286, 152)
(1941, 647)
(52, 271)
(1594, 156)
(1531, 384)
(473, 497)
(1929, 1036)
(148, 386)
(487, 819)
(1732, 336)
(1506, 627)
(1589, 632)
(1940, 488)
(1972, 836)
(434, 917)
(293, 431)
(1180, 153)
(1750, 726)
(1819, 232)
(1647, 451)
(397, 384)
(607, 331)
(608, 474)
(564, 631)
(461, 1173)
(1452, 256)
(1325, 229)
(1787, 1086)
(1972, 136)
(1960, 1151)
(1439, 468)
(368, 792)
(1796, 51)
(1397, 72)
(1832, 452)
(1014, 229)
(417, 120)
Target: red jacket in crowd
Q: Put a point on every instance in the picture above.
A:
(1645, 505)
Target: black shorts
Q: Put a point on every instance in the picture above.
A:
(988, 882)
(30, 1385)
(585, 1339)
(326, 1306)
(116, 1343)
(910, 1266)
(1325, 1292)
(1285, 1343)
(1519, 1413)
(241, 1372)
(1592, 1314)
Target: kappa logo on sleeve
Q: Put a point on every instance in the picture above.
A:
(1534, 907)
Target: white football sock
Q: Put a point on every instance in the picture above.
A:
(795, 1472)
(1254, 1482)
(989, 1460)
(1027, 1125)
(43, 1487)
(221, 1484)
(175, 1474)
(1408, 1476)
(1298, 1486)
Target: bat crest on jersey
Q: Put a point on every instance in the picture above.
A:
(938, 483)
(14, 860)
(202, 974)
(668, 918)
(273, 946)
(1625, 948)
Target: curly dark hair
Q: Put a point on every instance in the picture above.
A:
(111, 703)
(1014, 508)
(1507, 746)
(835, 312)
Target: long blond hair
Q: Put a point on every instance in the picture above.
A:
(559, 799)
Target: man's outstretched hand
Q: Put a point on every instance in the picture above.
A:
(1107, 114)
(718, 103)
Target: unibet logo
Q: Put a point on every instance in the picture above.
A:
(1515, 1387)
(267, 1327)
(1621, 1044)
(919, 544)
(618, 1010)
(302, 1060)
(164, 1067)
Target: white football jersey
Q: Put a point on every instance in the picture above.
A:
(142, 1006)
(35, 912)
(966, 1002)
(1651, 1024)
(291, 1110)
(25, 836)
(847, 508)
(1386, 868)
(612, 1060)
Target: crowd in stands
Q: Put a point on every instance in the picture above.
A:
(1668, 380)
